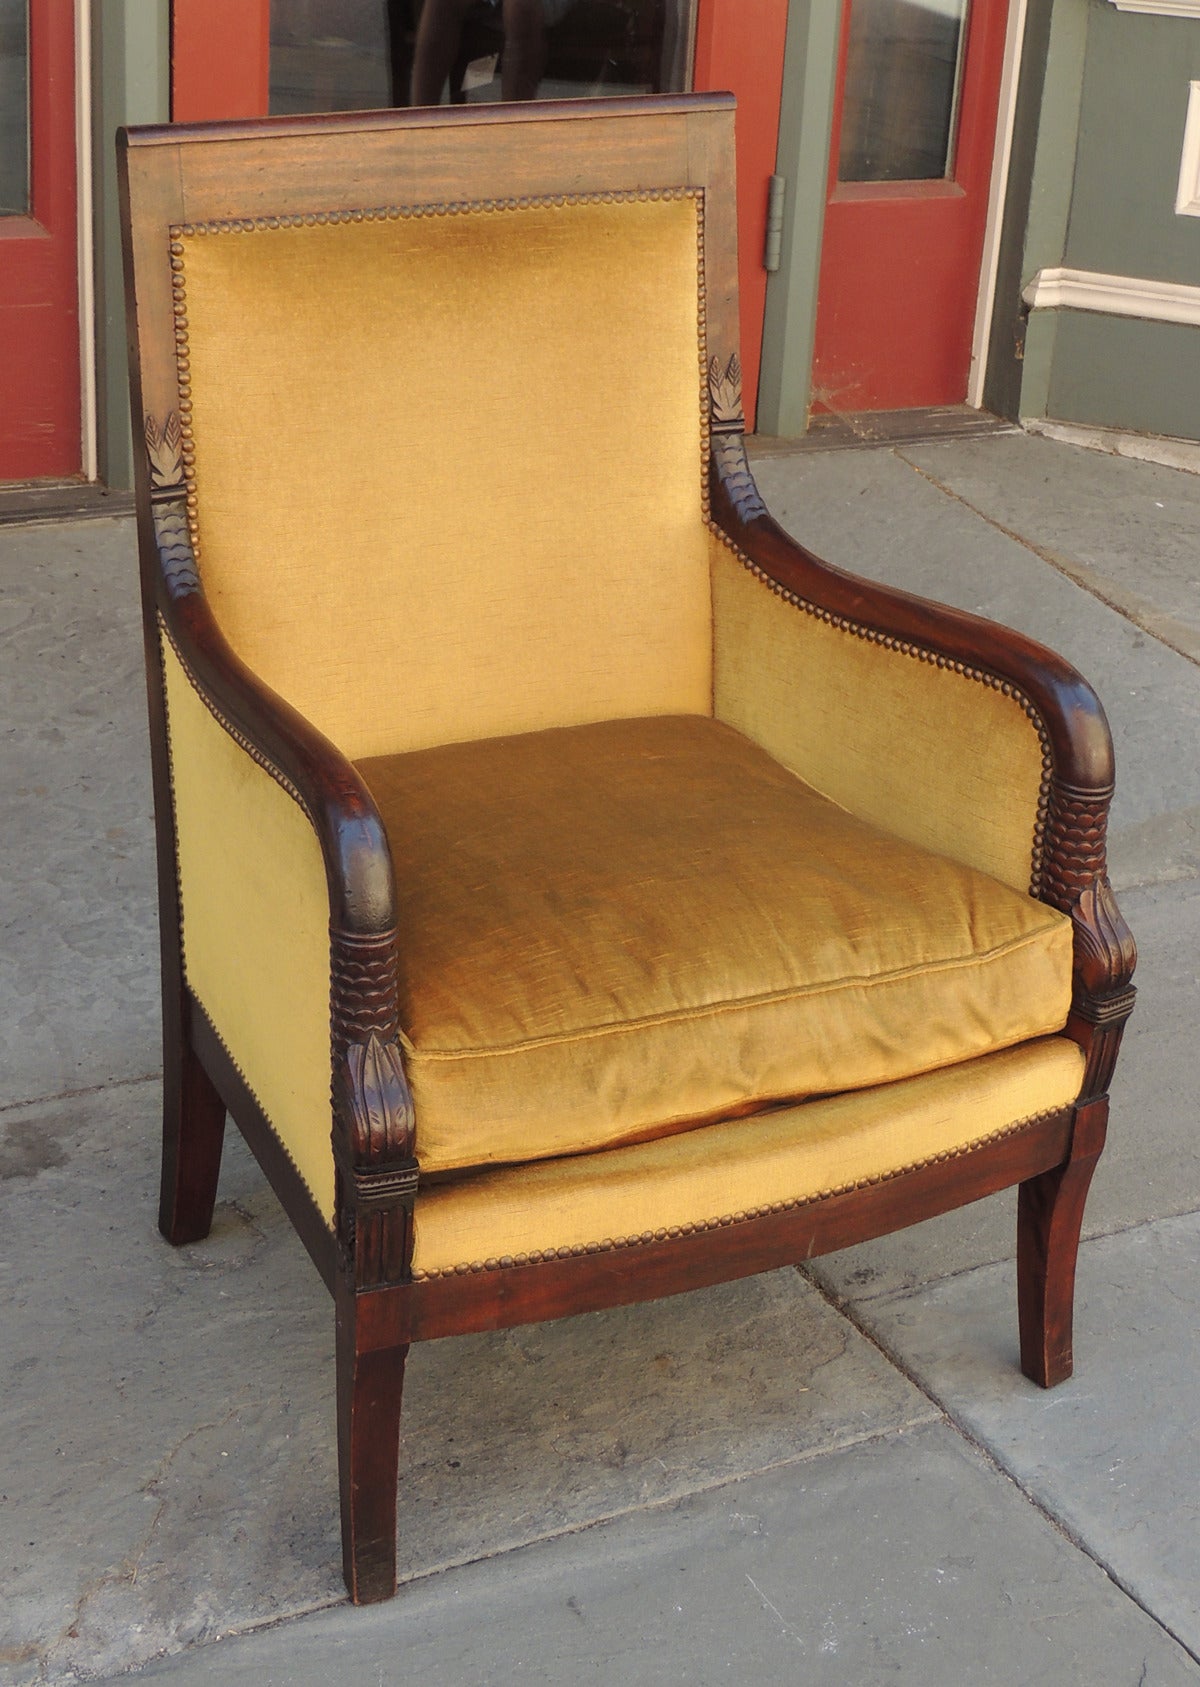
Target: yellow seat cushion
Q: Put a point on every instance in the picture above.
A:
(616, 931)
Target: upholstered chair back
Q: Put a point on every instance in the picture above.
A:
(447, 462)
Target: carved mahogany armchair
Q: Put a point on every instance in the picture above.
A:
(575, 890)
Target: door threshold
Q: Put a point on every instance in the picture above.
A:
(24, 503)
(884, 428)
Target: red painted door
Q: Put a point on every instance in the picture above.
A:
(221, 68)
(914, 135)
(39, 290)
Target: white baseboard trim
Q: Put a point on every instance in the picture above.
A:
(1114, 295)
(1161, 8)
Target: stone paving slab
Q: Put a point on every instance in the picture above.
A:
(79, 966)
(1151, 1165)
(873, 513)
(906, 1560)
(1115, 1451)
(166, 1419)
(167, 1453)
(1126, 529)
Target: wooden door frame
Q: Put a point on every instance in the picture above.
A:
(1006, 117)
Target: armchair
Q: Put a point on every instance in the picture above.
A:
(575, 891)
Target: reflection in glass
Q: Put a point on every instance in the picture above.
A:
(14, 108)
(900, 106)
(345, 55)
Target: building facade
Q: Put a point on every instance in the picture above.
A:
(983, 203)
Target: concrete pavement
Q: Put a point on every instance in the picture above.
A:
(838, 1477)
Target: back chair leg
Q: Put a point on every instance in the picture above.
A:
(193, 1135)
(1049, 1219)
(370, 1382)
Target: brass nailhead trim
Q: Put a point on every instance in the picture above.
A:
(748, 1216)
(410, 213)
(239, 737)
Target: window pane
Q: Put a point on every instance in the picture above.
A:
(14, 108)
(900, 105)
(345, 55)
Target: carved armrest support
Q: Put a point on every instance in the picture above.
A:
(374, 1120)
(1075, 881)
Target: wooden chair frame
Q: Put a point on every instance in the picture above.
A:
(181, 176)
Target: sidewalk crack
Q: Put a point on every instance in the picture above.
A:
(995, 1463)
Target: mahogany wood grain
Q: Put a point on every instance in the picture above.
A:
(193, 1136)
(1049, 1218)
(370, 1383)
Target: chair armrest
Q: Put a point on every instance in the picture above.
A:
(954, 732)
(283, 859)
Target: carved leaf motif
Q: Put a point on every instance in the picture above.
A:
(730, 453)
(1105, 951)
(175, 553)
(164, 447)
(377, 1096)
(725, 394)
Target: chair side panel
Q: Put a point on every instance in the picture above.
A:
(254, 912)
(926, 750)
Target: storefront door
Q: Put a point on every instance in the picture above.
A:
(39, 303)
(243, 58)
(913, 140)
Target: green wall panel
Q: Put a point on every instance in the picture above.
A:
(809, 71)
(1135, 93)
(1119, 372)
(131, 84)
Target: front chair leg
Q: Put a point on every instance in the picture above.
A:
(1049, 1218)
(193, 1136)
(370, 1380)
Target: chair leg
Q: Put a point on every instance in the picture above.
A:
(1049, 1218)
(193, 1135)
(370, 1382)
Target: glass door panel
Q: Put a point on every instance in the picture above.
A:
(14, 108)
(900, 100)
(343, 55)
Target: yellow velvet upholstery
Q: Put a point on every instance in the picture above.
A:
(614, 931)
(741, 1167)
(933, 755)
(449, 467)
(255, 910)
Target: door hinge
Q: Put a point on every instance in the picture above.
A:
(776, 193)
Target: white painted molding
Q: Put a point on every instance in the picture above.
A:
(1187, 200)
(1161, 8)
(1114, 295)
(997, 193)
